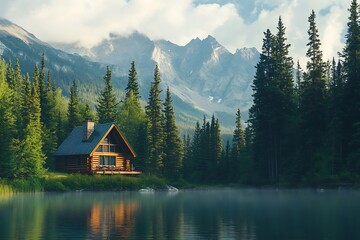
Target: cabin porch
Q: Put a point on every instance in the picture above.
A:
(113, 170)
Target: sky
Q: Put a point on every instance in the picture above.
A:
(234, 23)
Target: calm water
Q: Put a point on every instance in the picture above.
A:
(216, 214)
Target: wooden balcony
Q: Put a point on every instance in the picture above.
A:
(113, 170)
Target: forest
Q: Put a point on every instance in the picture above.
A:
(303, 127)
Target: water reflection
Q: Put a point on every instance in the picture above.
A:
(223, 214)
(108, 220)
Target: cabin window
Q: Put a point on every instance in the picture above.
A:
(109, 145)
(108, 160)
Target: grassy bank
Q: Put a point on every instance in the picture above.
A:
(15, 186)
(54, 182)
(75, 182)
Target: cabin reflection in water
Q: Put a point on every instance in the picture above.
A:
(106, 220)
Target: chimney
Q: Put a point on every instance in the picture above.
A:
(88, 129)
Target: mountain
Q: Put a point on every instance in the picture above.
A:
(204, 77)
(17, 43)
(202, 73)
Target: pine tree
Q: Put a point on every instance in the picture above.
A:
(155, 125)
(173, 149)
(25, 95)
(334, 137)
(261, 112)
(43, 92)
(298, 79)
(106, 103)
(351, 65)
(7, 122)
(74, 115)
(284, 102)
(15, 84)
(142, 161)
(196, 163)
(204, 152)
(130, 119)
(132, 84)
(225, 164)
(215, 149)
(239, 134)
(238, 146)
(60, 126)
(187, 162)
(30, 159)
(88, 114)
(312, 108)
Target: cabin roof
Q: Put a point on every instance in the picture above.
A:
(74, 144)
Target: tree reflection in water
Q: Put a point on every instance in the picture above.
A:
(220, 214)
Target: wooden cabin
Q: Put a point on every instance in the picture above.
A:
(95, 149)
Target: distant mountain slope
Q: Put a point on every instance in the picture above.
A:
(204, 77)
(202, 73)
(17, 43)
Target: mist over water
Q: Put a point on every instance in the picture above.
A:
(213, 214)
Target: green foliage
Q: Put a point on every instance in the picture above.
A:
(307, 133)
(155, 131)
(130, 119)
(351, 96)
(106, 104)
(312, 104)
(30, 159)
(173, 149)
(101, 183)
(132, 85)
(7, 122)
(74, 114)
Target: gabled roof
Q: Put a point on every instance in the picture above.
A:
(74, 144)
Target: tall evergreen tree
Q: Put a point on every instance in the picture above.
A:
(237, 147)
(284, 100)
(351, 65)
(88, 114)
(42, 91)
(25, 95)
(298, 79)
(7, 122)
(132, 84)
(260, 114)
(30, 159)
(106, 104)
(196, 164)
(187, 161)
(205, 152)
(334, 136)
(130, 119)
(155, 125)
(225, 170)
(17, 97)
(173, 149)
(74, 116)
(312, 108)
(239, 134)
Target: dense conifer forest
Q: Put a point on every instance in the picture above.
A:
(303, 127)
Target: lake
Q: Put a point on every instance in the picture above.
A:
(212, 214)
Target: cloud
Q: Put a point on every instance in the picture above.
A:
(331, 24)
(90, 21)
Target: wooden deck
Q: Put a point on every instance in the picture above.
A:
(112, 170)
